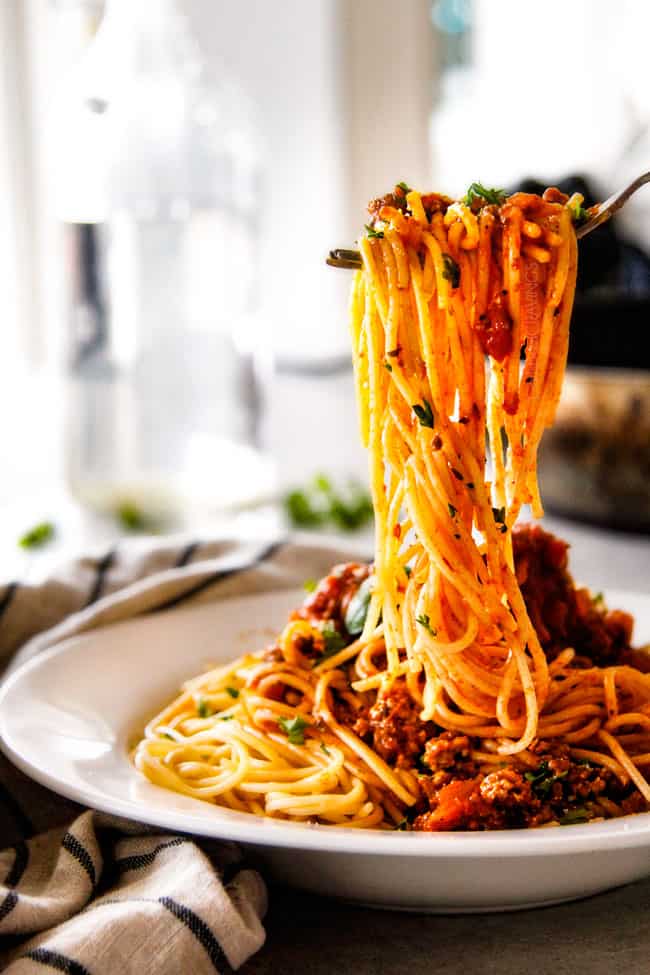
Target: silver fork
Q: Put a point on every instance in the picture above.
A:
(597, 214)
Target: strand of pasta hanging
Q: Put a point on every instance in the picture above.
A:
(445, 285)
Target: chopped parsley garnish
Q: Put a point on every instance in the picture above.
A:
(294, 729)
(477, 194)
(451, 272)
(424, 413)
(309, 585)
(233, 691)
(543, 778)
(408, 570)
(165, 735)
(372, 233)
(324, 748)
(452, 511)
(203, 708)
(579, 214)
(319, 504)
(332, 639)
(388, 366)
(357, 610)
(598, 599)
(578, 815)
(425, 622)
(132, 518)
(226, 717)
(37, 536)
(404, 187)
(499, 515)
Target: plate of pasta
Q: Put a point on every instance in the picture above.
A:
(457, 725)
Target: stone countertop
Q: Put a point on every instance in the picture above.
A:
(600, 935)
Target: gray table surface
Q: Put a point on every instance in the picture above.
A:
(601, 935)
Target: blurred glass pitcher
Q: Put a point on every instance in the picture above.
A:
(158, 192)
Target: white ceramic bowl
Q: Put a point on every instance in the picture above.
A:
(68, 716)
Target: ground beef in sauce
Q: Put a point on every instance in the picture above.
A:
(564, 616)
(393, 727)
(330, 599)
(458, 797)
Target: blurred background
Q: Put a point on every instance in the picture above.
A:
(172, 175)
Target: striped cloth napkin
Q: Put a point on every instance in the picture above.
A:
(87, 893)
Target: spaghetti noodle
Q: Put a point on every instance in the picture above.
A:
(427, 694)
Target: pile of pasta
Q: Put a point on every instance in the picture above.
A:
(449, 296)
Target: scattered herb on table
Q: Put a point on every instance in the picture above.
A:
(233, 691)
(39, 535)
(320, 504)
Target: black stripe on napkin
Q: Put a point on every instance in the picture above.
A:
(18, 868)
(7, 596)
(218, 577)
(186, 555)
(102, 568)
(200, 930)
(8, 905)
(81, 855)
(141, 860)
(19, 865)
(192, 921)
(57, 961)
(18, 815)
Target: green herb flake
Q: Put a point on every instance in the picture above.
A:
(39, 535)
(404, 187)
(499, 515)
(203, 708)
(424, 413)
(372, 233)
(131, 518)
(403, 824)
(579, 214)
(477, 194)
(334, 641)
(233, 692)
(598, 599)
(309, 585)
(165, 735)
(452, 511)
(388, 367)
(319, 504)
(324, 748)
(451, 272)
(425, 622)
(294, 729)
(543, 778)
(408, 570)
(578, 815)
(226, 717)
(357, 609)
